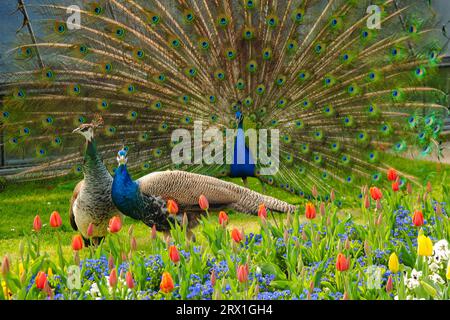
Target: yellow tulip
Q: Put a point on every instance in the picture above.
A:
(21, 269)
(424, 246)
(448, 270)
(6, 291)
(393, 263)
(50, 272)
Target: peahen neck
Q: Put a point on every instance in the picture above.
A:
(94, 169)
(125, 193)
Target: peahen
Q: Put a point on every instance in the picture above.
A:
(145, 199)
(341, 92)
(91, 200)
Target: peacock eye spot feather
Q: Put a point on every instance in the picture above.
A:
(365, 34)
(345, 57)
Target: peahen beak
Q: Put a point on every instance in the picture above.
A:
(76, 130)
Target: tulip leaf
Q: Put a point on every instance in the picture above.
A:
(271, 268)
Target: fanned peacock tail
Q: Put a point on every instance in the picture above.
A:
(341, 94)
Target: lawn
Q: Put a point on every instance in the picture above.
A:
(20, 202)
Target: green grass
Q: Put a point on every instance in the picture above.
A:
(20, 202)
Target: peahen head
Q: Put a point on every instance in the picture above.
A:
(87, 129)
(122, 157)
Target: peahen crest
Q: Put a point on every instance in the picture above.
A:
(340, 93)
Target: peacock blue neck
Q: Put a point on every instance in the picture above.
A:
(243, 165)
(125, 193)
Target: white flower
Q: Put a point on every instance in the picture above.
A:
(441, 245)
(416, 274)
(411, 283)
(93, 291)
(437, 278)
(434, 267)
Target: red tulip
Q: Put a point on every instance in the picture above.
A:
(166, 284)
(113, 278)
(314, 192)
(203, 203)
(408, 188)
(366, 202)
(213, 278)
(375, 193)
(389, 284)
(41, 280)
(133, 244)
(129, 280)
(174, 255)
(262, 212)
(110, 261)
(392, 174)
(37, 223)
(153, 234)
(242, 273)
(395, 186)
(90, 230)
(332, 195)
(237, 235)
(115, 224)
(77, 243)
(418, 218)
(342, 263)
(322, 209)
(429, 188)
(223, 218)
(310, 211)
(55, 220)
(172, 207)
(5, 266)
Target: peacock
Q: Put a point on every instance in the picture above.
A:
(91, 201)
(145, 199)
(342, 82)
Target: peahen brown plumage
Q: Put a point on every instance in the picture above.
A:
(340, 93)
(91, 201)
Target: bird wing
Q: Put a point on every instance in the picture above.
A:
(76, 191)
(186, 188)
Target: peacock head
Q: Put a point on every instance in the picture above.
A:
(122, 157)
(239, 117)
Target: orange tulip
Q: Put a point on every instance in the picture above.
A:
(418, 218)
(395, 186)
(262, 212)
(37, 223)
(55, 220)
(172, 207)
(113, 278)
(392, 174)
(375, 193)
(129, 280)
(203, 202)
(242, 273)
(310, 211)
(342, 263)
(41, 280)
(77, 243)
(166, 285)
(223, 218)
(237, 235)
(174, 255)
(429, 187)
(115, 224)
